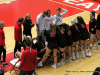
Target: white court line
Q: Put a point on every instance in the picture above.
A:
(9, 52)
(67, 5)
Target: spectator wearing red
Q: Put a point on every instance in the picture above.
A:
(2, 43)
(28, 60)
(18, 35)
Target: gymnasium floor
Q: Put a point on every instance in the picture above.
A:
(11, 10)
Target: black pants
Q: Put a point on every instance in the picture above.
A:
(17, 46)
(97, 70)
(4, 53)
(26, 72)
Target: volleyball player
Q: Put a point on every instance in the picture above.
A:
(18, 35)
(23, 43)
(39, 45)
(76, 37)
(28, 60)
(2, 44)
(51, 44)
(92, 29)
(58, 17)
(40, 26)
(65, 27)
(98, 28)
(62, 43)
(84, 35)
(48, 20)
(27, 25)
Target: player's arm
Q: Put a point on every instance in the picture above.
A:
(65, 11)
(37, 25)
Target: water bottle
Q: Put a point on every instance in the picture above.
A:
(2, 68)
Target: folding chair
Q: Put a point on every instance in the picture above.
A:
(15, 63)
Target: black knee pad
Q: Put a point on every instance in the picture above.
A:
(61, 55)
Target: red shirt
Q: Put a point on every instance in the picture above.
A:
(28, 60)
(18, 32)
(2, 37)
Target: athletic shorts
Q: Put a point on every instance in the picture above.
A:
(52, 45)
(84, 36)
(93, 32)
(76, 38)
(70, 42)
(62, 44)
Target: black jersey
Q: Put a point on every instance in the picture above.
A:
(61, 39)
(39, 45)
(50, 36)
(92, 23)
(61, 36)
(83, 31)
(98, 19)
(69, 37)
(75, 30)
(82, 28)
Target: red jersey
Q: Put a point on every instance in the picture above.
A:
(2, 37)
(28, 60)
(18, 32)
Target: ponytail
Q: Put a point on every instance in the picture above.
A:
(55, 28)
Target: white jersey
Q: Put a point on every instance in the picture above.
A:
(59, 21)
(41, 21)
(48, 21)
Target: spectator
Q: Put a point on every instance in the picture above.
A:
(18, 35)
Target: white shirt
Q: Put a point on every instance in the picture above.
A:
(41, 21)
(48, 21)
(59, 22)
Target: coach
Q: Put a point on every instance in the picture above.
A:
(27, 25)
(41, 23)
(18, 35)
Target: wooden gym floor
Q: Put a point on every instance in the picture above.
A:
(87, 64)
